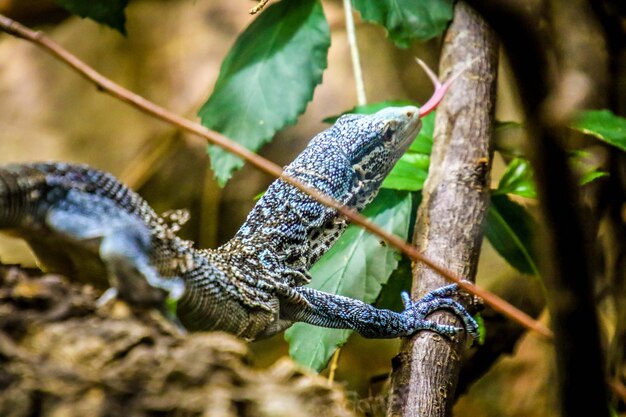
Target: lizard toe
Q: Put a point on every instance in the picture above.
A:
(419, 310)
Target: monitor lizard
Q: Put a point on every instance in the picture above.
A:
(84, 223)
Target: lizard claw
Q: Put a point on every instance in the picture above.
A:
(106, 297)
(439, 299)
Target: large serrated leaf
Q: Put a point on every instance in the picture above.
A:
(107, 12)
(267, 79)
(510, 229)
(356, 266)
(604, 125)
(407, 20)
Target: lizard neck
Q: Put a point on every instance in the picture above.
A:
(288, 231)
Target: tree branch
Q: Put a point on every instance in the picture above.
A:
(449, 221)
(104, 84)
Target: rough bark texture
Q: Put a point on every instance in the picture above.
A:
(60, 355)
(449, 222)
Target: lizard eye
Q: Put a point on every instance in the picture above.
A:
(388, 133)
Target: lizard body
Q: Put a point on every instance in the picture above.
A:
(85, 223)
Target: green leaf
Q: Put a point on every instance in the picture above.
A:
(500, 125)
(613, 411)
(267, 79)
(482, 329)
(107, 12)
(518, 179)
(423, 143)
(409, 173)
(411, 170)
(356, 266)
(591, 176)
(604, 125)
(586, 165)
(407, 20)
(399, 281)
(510, 229)
(518, 176)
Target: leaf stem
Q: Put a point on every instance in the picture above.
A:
(354, 53)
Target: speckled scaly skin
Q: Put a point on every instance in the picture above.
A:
(86, 224)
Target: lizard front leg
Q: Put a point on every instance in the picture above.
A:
(335, 311)
(122, 242)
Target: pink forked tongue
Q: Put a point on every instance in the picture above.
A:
(440, 89)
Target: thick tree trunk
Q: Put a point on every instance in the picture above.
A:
(449, 221)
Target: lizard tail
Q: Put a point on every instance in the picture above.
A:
(17, 192)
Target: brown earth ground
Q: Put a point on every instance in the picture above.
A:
(61, 355)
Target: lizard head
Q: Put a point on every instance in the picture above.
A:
(376, 142)
(373, 143)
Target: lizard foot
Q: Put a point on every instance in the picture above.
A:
(439, 299)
